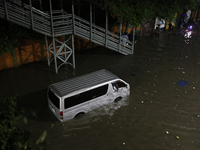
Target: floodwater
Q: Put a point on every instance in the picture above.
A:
(159, 113)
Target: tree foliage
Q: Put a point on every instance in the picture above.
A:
(12, 137)
(137, 11)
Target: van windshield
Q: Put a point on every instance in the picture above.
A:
(54, 99)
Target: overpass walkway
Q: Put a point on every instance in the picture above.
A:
(57, 23)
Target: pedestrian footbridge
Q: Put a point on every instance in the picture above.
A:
(59, 23)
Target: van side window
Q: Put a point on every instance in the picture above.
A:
(85, 96)
(54, 99)
(121, 84)
(118, 84)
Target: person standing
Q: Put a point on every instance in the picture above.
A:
(157, 31)
(124, 38)
(182, 29)
(170, 26)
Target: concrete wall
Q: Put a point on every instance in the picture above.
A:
(31, 50)
(27, 51)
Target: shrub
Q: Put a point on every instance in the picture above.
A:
(11, 136)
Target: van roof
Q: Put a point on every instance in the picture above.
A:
(65, 87)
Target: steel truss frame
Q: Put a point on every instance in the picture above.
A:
(61, 51)
(57, 23)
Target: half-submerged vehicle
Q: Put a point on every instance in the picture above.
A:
(72, 97)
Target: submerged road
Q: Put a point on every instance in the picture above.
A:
(159, 114)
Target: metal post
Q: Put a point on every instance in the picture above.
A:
(61, 4)
(6, 10)
(47, 48)
(52, 30)
(40, 4)
(120, 34)
(74, 31)
(65, 46)
(93, 15)
(90, 22)
(31, 13)
(73, 21)
(55, 55)
(79, 9)
(133, 42)
(73, 51)
(106, 29)
(93, 19)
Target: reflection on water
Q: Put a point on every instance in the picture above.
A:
(188, 36)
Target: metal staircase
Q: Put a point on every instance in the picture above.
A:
(55, 24)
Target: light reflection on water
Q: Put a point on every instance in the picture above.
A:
(188, 36)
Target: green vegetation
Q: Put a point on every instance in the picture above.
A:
(12, 137)
(137, 11)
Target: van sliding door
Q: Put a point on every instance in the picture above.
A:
(98, 96)
(75, 104)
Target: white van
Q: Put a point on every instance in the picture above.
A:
(70, 98)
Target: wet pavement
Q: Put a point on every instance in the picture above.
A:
(159, 114)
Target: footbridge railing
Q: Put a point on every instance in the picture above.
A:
(57, 23)
(60, 23)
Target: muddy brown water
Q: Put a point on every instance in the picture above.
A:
(159, 114)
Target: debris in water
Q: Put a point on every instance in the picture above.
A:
(183, 83)
(133, 73)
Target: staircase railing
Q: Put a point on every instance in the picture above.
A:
(62, 24)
